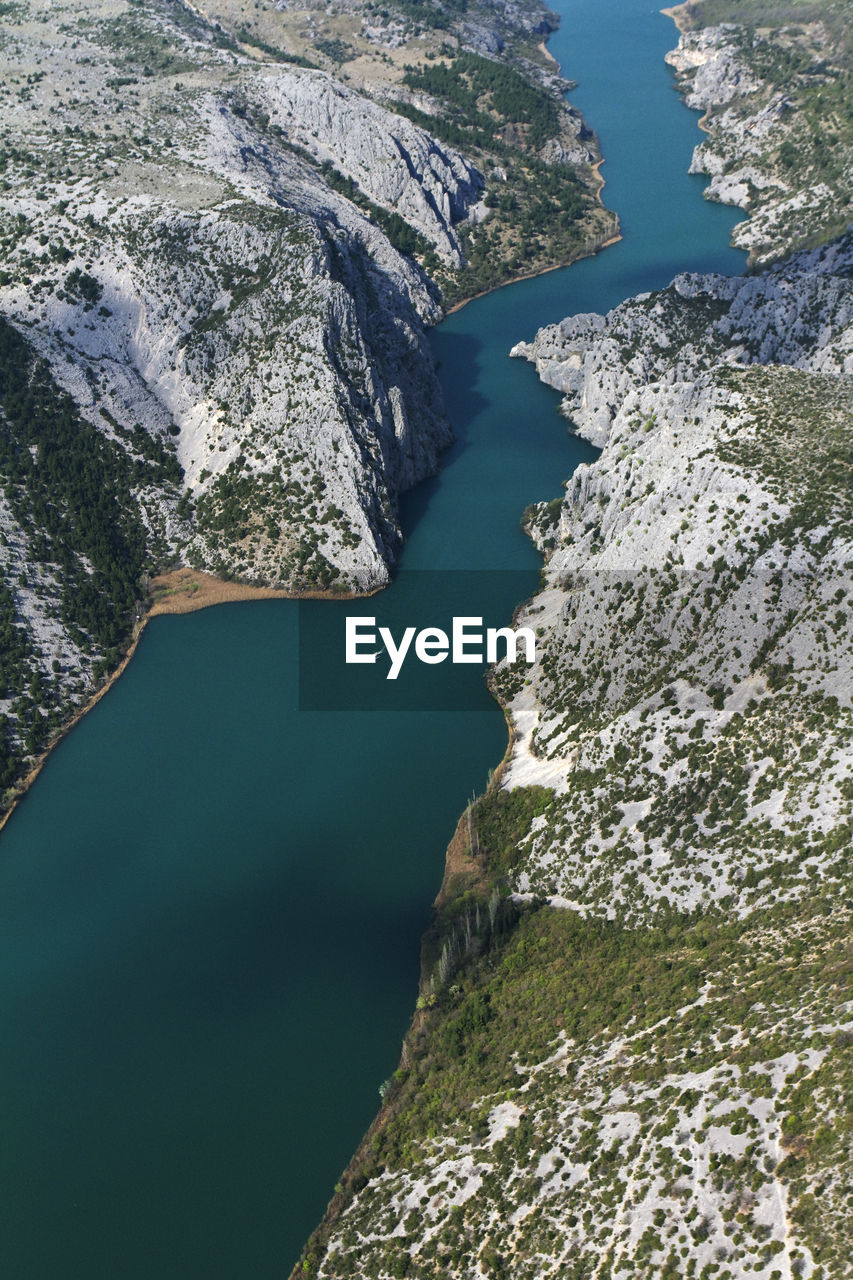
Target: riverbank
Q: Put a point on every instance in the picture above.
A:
(465, 871)
(678, 14)
(546, 53)
(21, 788)
(187, 590)
(534, 275)
(554, 266)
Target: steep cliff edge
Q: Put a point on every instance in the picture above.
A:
(395, 163)
(711, 541)
(609, 367)
(197, 314)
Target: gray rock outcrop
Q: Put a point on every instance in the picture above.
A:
(395, 163)
(693, 606)
(797, 313)
(247, 346)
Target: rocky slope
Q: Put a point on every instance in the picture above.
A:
(244, 344)
(612, 367)
(775, 87)
(473, 75)
(400, 168)
(713, 539)
(598, 1102)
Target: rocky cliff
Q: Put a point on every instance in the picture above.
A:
(396, 164)
(797, 314)
(241, 342)
(711, 538)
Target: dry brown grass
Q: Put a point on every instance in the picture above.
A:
(185, 590)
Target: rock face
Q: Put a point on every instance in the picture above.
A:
(237, 340)
(398, 165)
(602, 364)
(255, 332)
(711, 67)
(766, 117)
(715, 520)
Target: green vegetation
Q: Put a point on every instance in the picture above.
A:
(791, 412)
(239, 506)
(775, 14)
(71, 491)
(152, 51)
(335, 50)
(643, 1016)
(435, 15)
(502, 818)
(543, 215)
(16, 676)
(403, 237)
(244, 36)
(545, 212)
(484, 97)
(73, 495)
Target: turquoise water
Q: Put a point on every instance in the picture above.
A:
(211, 902)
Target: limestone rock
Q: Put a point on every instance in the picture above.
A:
(691, 607)
(397, 165)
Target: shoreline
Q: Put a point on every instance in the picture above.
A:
(532, 275)
(184, 590)
(22, 788)
(461, 861)
(458, 860)
(678, 14)
(546, 52)
(187, 590)
(557, 266)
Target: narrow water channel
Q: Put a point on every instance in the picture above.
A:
(211, 901)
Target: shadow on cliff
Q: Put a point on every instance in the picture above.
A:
(458, 362)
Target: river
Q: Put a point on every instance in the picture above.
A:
(211, 901)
